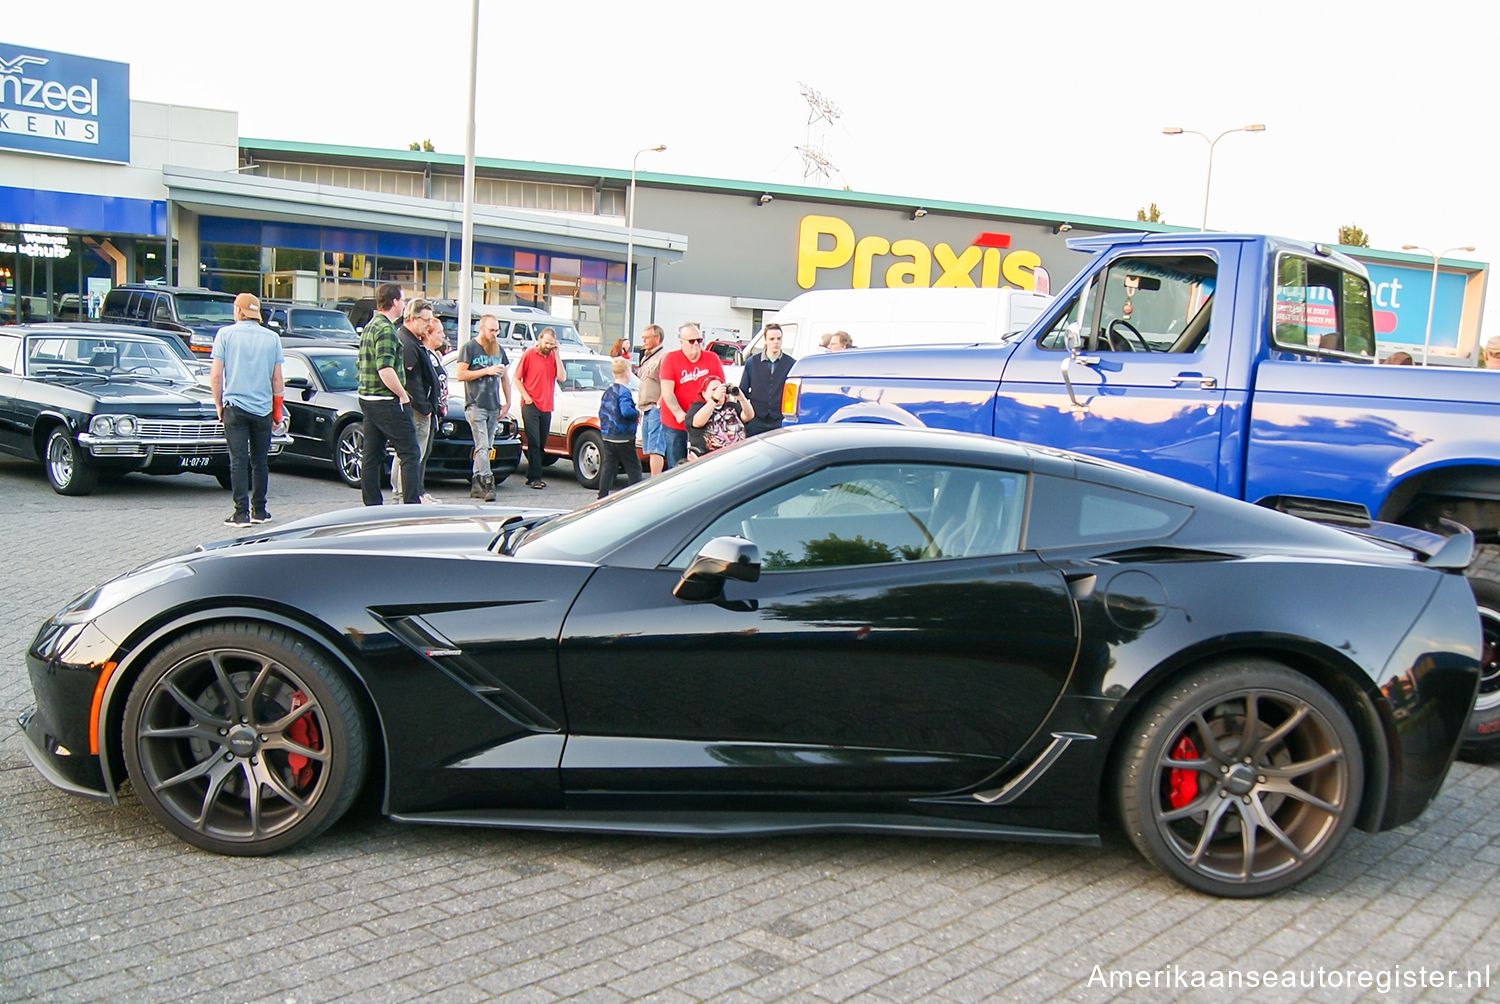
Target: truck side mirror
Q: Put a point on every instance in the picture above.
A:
(1073, 337)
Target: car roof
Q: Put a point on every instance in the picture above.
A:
(88, 329)
(196, 290)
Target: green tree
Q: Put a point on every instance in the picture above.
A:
(1351, 235)
(425, 146)
(1150, 215)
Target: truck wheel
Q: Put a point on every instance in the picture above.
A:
(1482, 737)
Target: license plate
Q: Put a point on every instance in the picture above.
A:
(192, 463)
(492, 454)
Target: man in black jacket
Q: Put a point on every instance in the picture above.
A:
(421, 383)
(765, 374)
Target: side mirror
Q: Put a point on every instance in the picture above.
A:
(1073, 337)
(301, 383)
(720, 559)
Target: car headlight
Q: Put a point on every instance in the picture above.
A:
(116, 591)
(102, 425)
(198, 338)
(126, 425)
(447, 428)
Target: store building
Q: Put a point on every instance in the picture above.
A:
(188, 198)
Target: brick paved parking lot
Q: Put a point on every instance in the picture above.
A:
(99, 903)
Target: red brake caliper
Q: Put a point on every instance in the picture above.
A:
(303, 732)
(1182, 783)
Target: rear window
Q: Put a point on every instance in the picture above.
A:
(1322, 308)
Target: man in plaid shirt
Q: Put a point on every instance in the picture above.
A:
(384, 401)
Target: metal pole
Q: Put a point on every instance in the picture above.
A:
(630, 244)
(466, 252)
(1431, 302)
(1208, 183)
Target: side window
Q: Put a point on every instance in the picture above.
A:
(1144, 303)
(115, 303)
(868, 514)
(1321, 307)
(520, 332)
(163, 310)
(10, 350)
(291, 366)
(140, 306)
(1065, 513)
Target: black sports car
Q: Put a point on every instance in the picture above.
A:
(327, 425)
(835, 628)
(100, 400)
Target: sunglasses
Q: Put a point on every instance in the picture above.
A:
(692, 341)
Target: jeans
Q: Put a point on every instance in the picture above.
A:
(676, 445)
(537, 424)
(387, 421)
(249, 439)
(422, 428)
(652, 441)
(615, 457)
(482, 422)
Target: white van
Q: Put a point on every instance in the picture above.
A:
(883, 317)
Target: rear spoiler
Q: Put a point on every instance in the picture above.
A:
(1455, 550)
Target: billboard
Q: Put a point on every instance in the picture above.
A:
(61, 105)
(1401, 296)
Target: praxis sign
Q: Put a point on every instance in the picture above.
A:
(64, 106)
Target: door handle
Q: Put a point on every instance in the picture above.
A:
(1206, 382)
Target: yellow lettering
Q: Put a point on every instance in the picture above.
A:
(989, 275)
(917, 272)
(956, 268)
(811, 256)
(864, 251)
(1018, 268)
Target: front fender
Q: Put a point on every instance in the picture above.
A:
(877, 413)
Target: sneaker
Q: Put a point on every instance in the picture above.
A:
(536, 484)
(261, 517)
(237, 519)
(429, 499)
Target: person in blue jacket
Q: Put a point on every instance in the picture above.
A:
(618, 418)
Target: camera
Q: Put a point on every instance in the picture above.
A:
(731, 390)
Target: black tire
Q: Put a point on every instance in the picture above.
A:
(588, 455)
(69, 469)
(1188, 785)
(243, 739)
(1482, 735)
(348, 453)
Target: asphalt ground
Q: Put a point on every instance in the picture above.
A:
(99, 903)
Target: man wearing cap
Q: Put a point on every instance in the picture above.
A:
(246, 379)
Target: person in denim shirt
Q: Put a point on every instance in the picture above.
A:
(618, 417)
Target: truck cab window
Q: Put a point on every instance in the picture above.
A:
(1322, 308)
(1144, 303)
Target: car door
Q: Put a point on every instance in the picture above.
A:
(310, 420)
(1150, 384)
(896, 641)
(14, 436)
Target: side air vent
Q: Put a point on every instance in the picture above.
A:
(442, 653)
(1159, 555)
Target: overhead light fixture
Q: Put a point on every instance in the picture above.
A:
(1062, 228)
(765, 197)
(918, 213)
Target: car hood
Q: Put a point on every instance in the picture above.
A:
(958, 361)
(394, 529)
(122, 390)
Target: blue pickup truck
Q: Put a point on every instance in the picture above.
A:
(1239, 363)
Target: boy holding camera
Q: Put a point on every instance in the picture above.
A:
(718, 420)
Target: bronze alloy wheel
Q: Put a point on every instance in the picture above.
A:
(242, 740)
(1241, 779)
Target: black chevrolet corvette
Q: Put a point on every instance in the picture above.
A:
(849, 628)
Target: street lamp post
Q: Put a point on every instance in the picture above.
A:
(1432, 291)
(630, 243)
(1208, 183)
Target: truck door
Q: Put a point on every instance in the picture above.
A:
(1148, 381)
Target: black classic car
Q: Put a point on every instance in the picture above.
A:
(834, 628)
(327, 425)
(96, 400)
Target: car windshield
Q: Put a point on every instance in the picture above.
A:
(104, 356)
(321, 320)
(588, 374)
(589, 533)
(338, 373)
(195, 309)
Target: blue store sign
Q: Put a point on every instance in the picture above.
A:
(1401, 296)
(62, 105)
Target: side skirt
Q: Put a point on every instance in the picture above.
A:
(742, 824)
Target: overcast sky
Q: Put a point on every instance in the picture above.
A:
(1377, 113)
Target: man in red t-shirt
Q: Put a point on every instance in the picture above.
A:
(684, 373)
(537, 376)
